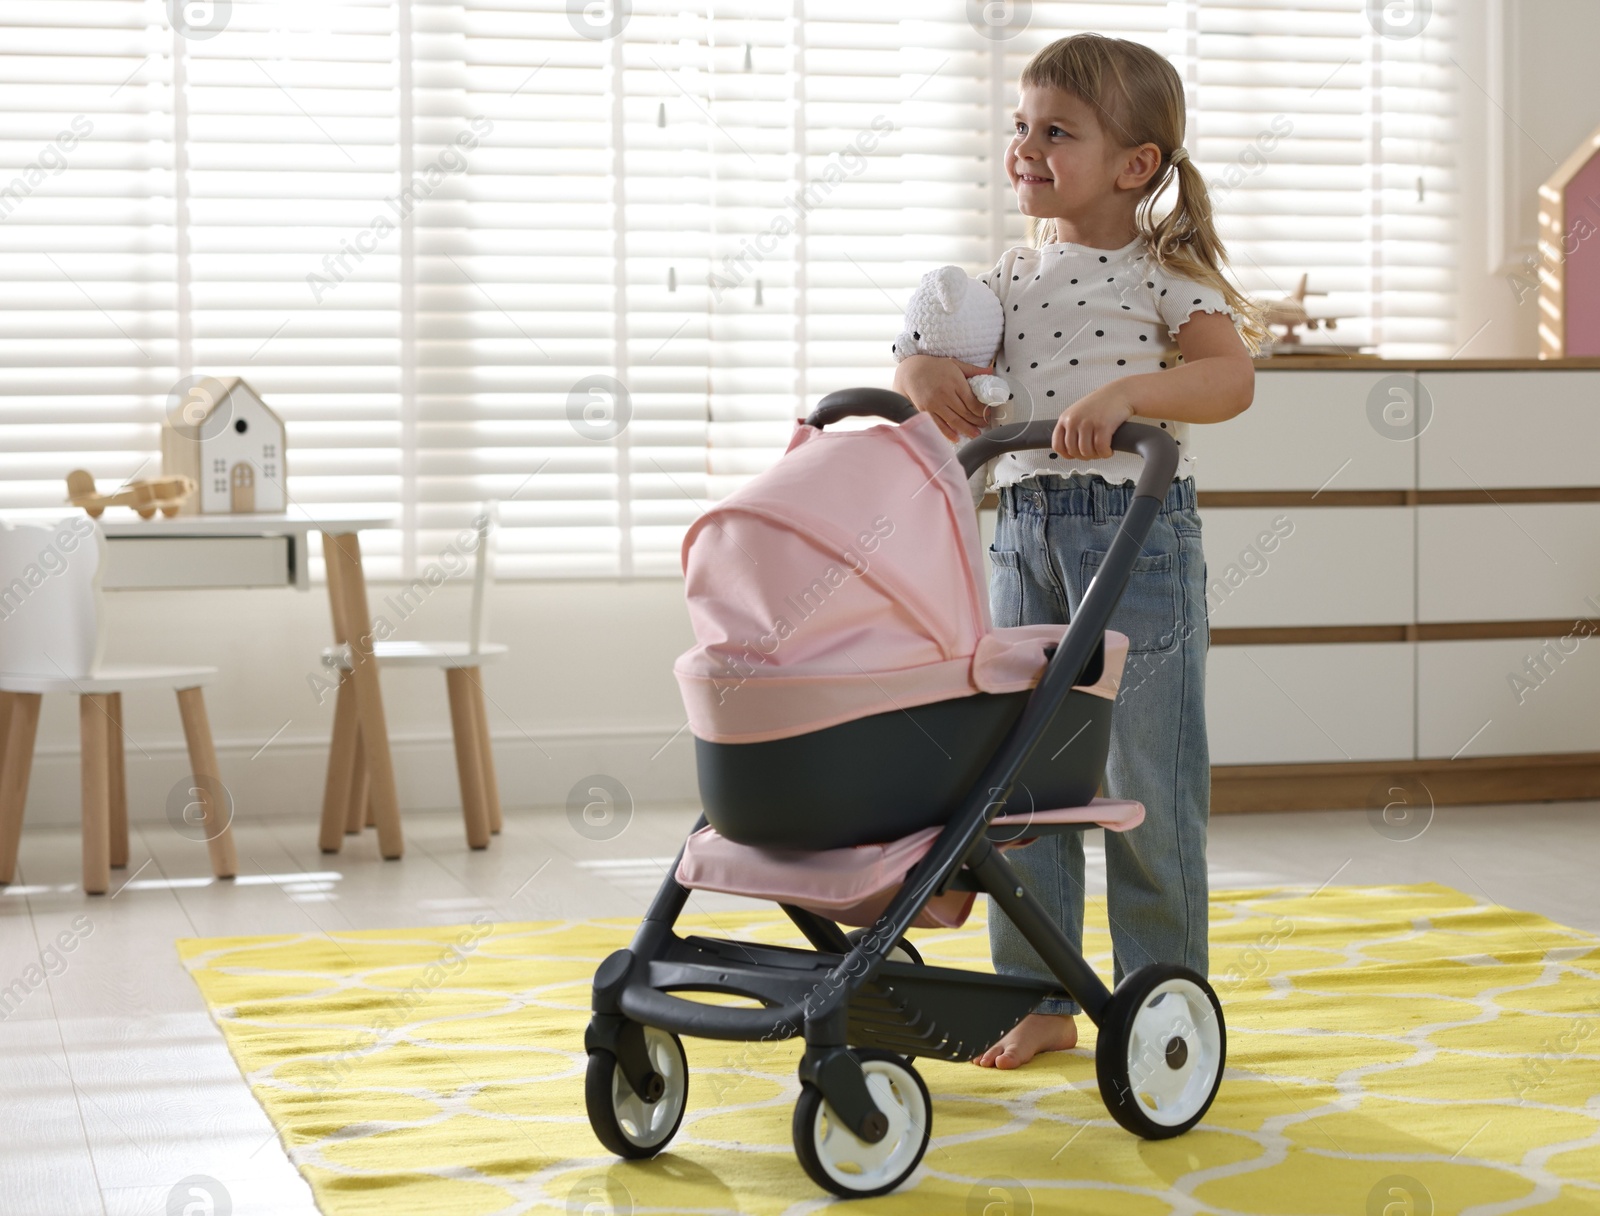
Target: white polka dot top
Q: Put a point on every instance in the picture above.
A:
(1077, 318)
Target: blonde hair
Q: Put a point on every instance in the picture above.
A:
(1138, 98)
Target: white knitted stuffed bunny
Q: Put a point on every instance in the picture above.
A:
(953, 314)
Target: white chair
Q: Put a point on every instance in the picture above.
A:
(52, 634)
(346, 808)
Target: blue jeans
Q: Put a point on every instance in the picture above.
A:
(1052, 533)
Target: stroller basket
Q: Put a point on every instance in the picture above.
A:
(917, 1010)
(907, 1007)
(869, 745)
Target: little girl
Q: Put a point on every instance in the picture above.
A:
(1111, 315)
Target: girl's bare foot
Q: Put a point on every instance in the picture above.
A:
(1035, 1033)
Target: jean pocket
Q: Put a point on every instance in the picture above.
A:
(1148, 611)
(1005, 587)
(1186, 522)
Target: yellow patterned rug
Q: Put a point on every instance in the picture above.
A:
(1393, 1051)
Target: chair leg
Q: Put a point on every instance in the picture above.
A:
(341, 767)
(118, 783)
(352, 623)
(469, 764)
(491, 783)
(203, 759)
(94, 724)
(358, 796)
(16, 763)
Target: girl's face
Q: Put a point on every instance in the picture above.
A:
(1061, 161)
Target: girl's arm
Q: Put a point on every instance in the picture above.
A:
(938, 386)
(1215, 382)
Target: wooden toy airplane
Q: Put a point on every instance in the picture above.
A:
(1290, 312)
(146, 496)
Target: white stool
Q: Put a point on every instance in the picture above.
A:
(51, 639)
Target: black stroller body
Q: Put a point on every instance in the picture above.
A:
(863, 1001)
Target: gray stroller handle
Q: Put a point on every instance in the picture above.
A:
(861, 403)
(1159, 449)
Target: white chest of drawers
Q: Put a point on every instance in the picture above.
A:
(1425, 624)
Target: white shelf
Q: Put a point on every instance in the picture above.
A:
(1335, 566)
(1310, 704)
(1468, 706)
(1518, 562)
(1307, 430)
(120, 521)
(1491, 430)
(258, 550)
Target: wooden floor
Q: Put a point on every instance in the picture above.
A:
(115, 1086)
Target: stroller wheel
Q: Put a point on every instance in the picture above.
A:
(840, 1162)
(1161, 1051)
(902, 952)
(623, 1121)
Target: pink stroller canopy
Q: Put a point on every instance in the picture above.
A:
(846, 581)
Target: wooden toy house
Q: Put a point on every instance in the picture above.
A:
(1569, 256)
(232, 444)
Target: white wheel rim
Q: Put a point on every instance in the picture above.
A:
(1174, 1049)
(853, 1163)
(647, 1123)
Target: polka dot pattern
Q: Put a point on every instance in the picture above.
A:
(1124, 322)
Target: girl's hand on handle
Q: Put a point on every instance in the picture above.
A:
(1084, 430)
(938, 387)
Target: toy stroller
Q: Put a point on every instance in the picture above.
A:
(868, 746)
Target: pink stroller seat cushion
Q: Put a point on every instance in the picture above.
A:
(854, 885)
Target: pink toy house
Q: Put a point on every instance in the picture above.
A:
(1569, 256)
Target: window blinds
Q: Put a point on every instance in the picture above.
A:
(592, 258)
(1331, 151)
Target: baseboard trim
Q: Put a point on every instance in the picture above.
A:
(657, 765)
(1373, 785)
(539, 768)
(251, 748)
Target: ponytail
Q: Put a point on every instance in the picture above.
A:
(1185, 241)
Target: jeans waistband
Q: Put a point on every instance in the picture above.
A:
(1085, 494)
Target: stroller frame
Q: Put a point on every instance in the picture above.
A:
(858, 997)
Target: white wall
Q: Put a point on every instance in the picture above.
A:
(1528, 94)
(589, 684)
(588, 688)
